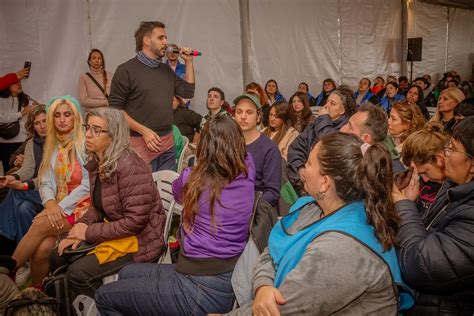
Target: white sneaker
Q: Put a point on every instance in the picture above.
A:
(22, 276)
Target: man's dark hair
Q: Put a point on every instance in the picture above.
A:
(464, 133)
(145, 29)
(402, 78)
(376, 123)
(218, 90)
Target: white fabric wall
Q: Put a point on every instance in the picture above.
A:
(448, 39)
(290, 40)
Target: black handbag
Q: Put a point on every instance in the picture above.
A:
(83, 249)
(10, 130)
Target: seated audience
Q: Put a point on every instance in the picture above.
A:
(214, 103)
(404, 119)
(332, 116)
(448, 100)
(415, 95)
(272, 91)
(13, 78)
(464, 109)
(213, 234)
(424, 148)
(13, 111)
(403, 85)
(299, 112)
(94, 86)
(329, 86)
(63, 186)
(265, 153)
(429, 95)
(306, 268)
(303, 87)
(257, 89)
(363, 93)
(370, 124)
(23, 200)
(187, 121)
(126, 207)
(279, 129)
(379, 85)
(391, 96)
(435, 248)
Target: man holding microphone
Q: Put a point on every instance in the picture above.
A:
(143, 87)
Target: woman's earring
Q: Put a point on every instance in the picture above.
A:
(320, 196)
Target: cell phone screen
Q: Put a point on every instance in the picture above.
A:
(27, 65)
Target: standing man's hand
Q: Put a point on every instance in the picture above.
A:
(185, 52)
(152, 140)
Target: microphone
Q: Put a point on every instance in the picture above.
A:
(175, 50)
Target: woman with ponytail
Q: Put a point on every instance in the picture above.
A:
(63, 186)
(334, 252)
(94, 86)
(217, 198)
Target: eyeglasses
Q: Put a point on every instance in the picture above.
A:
(95, 130)
(448, 150)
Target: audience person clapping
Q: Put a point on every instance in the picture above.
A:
(435, 248)
(126, 216)
(94, 86)
(217, 198)
(64, 185)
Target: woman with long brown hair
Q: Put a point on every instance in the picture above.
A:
(334, 252)
(279, 129)
(217, 195)
(299, 111)
(405, 118)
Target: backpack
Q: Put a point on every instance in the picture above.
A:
(56, 286)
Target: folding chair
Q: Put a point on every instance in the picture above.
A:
(180, 163)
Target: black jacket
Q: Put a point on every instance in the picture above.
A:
(299, 150)
(436, 251)
(187, 121)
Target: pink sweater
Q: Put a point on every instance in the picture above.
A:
(90, 95)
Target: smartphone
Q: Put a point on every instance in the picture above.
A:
(27, 65)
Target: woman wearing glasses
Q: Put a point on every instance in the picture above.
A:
(436, 248)
(126, 213)
(64, 186)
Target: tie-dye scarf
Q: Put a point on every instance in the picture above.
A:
(64, 165)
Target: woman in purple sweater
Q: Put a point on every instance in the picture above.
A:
(217, 198)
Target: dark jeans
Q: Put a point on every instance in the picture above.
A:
(17, 212)
(6, 149)
(165, 161)
(85, 274)
(157, 289)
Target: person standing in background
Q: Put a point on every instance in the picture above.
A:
(94, 86)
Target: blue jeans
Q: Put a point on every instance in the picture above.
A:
(17, 211)
(157, 289)
(165, 161)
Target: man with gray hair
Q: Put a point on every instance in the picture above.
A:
(370, 124)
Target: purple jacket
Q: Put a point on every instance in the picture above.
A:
(232, 216)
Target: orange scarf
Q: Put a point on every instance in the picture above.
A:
(64, 165)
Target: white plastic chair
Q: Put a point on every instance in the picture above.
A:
(180, 163)
(163, 180)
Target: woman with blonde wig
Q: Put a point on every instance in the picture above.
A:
(64, 186)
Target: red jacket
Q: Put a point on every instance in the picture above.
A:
(7, 80)
(133, 206)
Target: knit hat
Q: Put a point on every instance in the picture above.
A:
(65, 97)
(251, 97)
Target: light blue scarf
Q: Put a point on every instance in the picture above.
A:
(153, 63)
